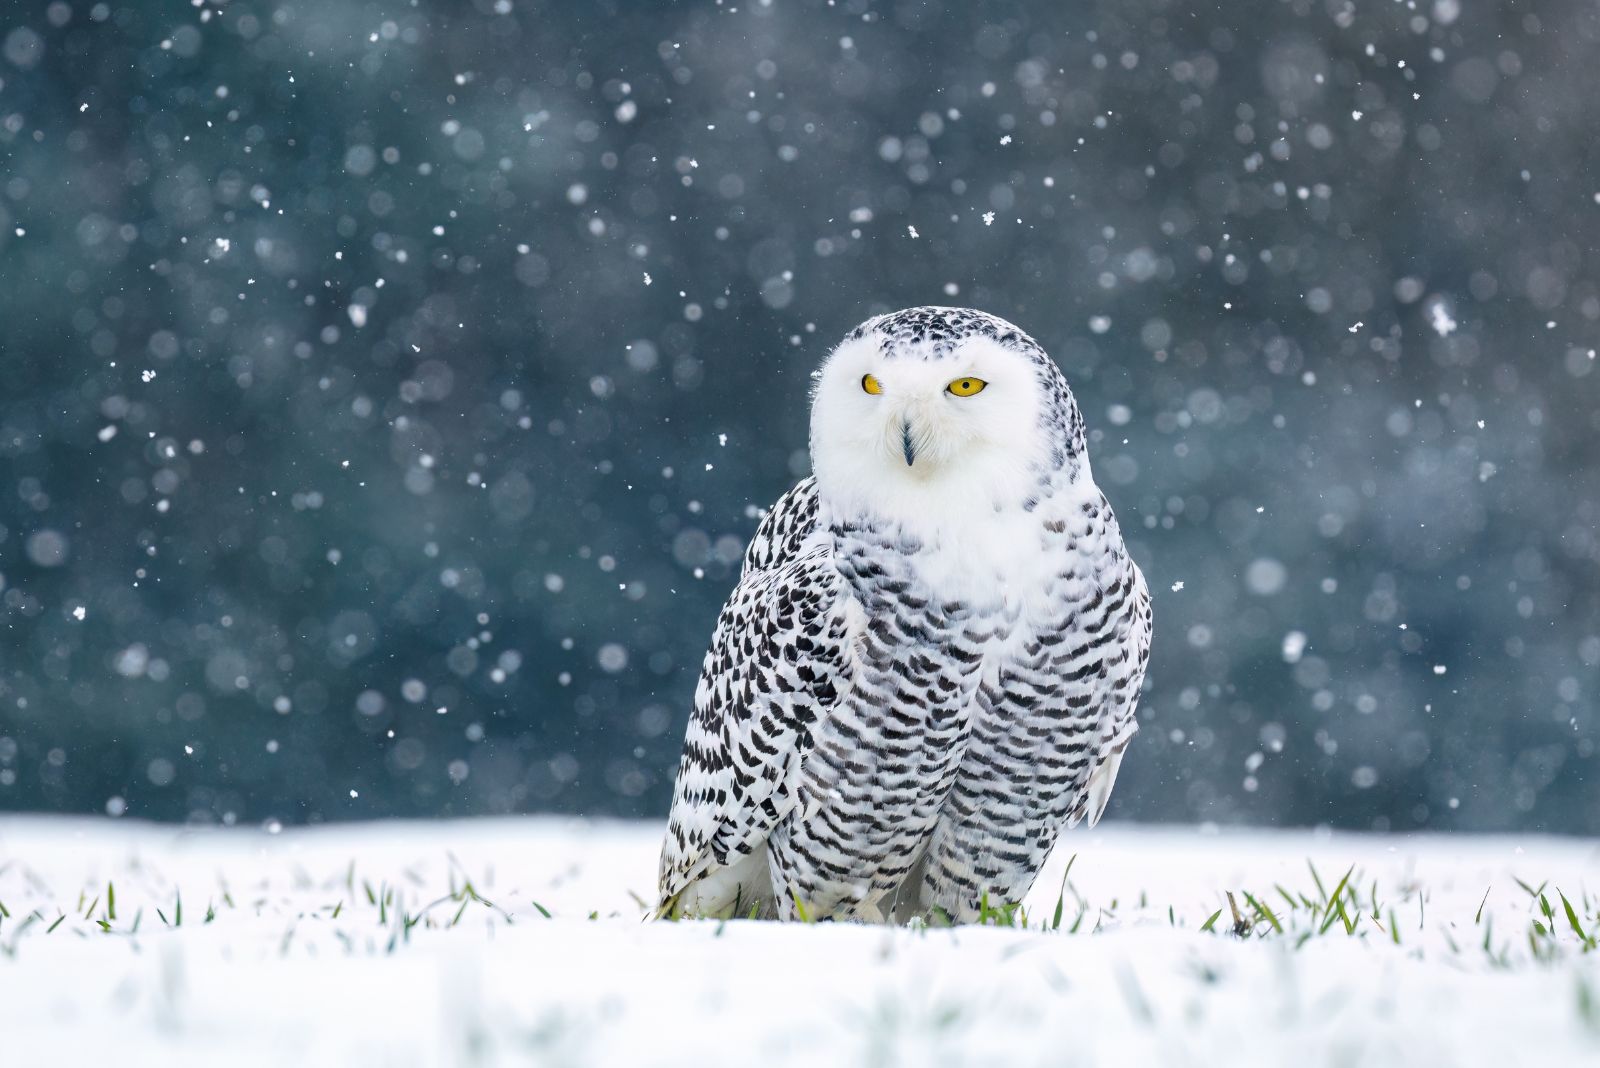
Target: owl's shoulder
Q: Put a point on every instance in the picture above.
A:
(781, 537)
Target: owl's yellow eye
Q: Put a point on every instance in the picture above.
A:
(966, 387)
(871, 385)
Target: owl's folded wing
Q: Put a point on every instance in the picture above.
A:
(1117, 725)
(779, 659)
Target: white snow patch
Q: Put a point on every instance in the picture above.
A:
(283, 958)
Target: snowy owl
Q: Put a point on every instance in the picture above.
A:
(930, 664)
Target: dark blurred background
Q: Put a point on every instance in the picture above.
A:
(387, 390)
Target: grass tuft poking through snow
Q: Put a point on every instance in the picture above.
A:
(524, 941)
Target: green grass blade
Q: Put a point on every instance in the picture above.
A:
(1321, 890)
(1263, 911)
(1061, 898)
(1335, 906)
(1530, 891)
(1572, 920)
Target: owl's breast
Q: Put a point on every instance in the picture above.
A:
(1023, 564)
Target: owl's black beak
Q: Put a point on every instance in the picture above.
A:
(905, 442)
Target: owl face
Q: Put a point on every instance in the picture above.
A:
(902, 414)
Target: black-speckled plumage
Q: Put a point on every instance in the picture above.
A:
(872, 738)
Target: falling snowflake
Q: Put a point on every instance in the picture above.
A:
(1439, 317)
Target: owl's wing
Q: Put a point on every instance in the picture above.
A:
(1124, 677)
(779, 659)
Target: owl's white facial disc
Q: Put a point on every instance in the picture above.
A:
(905, 431)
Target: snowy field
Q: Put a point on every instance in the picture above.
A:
(521, 942)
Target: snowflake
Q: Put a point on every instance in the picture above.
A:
(1439, 317)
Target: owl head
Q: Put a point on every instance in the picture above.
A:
(940, 408)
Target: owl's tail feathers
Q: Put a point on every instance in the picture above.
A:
(676, 908)
(1097, 792)
(739, 890)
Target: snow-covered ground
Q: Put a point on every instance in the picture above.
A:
(362, 945)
